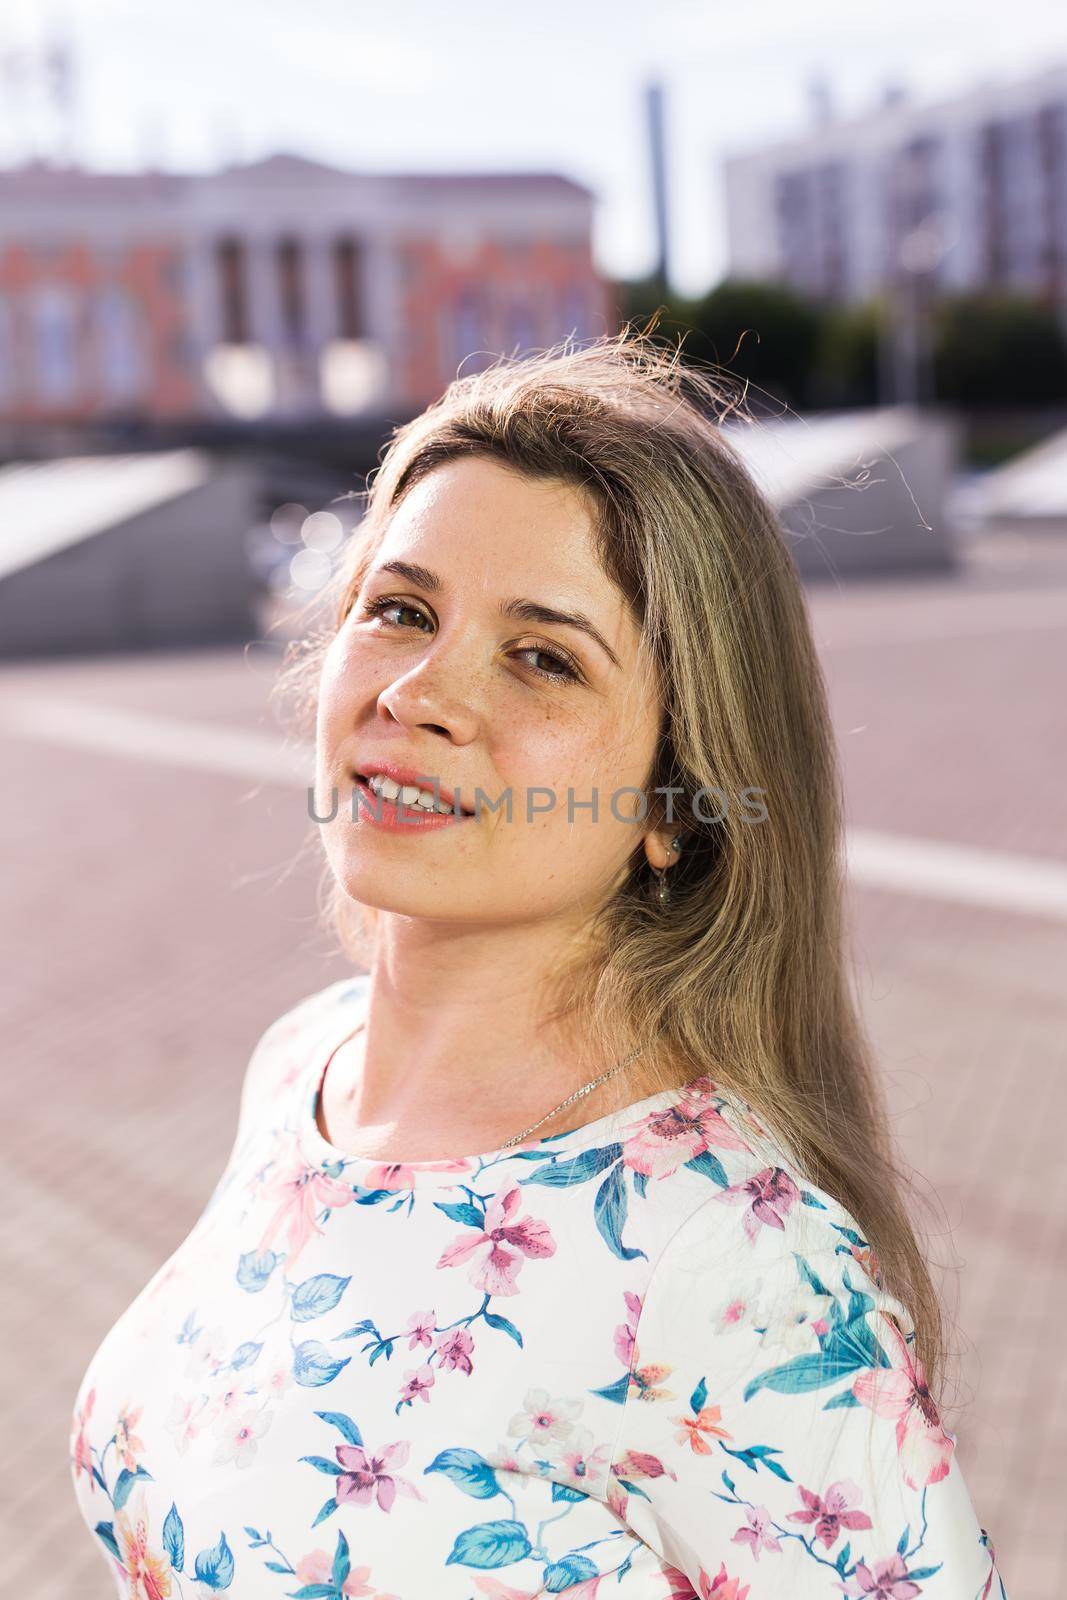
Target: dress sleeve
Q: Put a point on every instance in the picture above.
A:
(778, 1441)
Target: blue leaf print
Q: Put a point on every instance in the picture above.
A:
(640, 1183)
(341, 1561)
(326, 1510)
(244, 1355)
(809, 1200)
(572, 1569)
(215, 1566)
(468, 1470)
(323, 1464)
(563, 1491)
(470, 1216)
(174, 1538)
(709, 1166)
(124, 1483)
(699, 1395)
(902, 1542)
(808, 1273)
(561, 1174)
(366, 1326)
(609, 1210)
(490, 1544)
(344, 1425)
(919, 1573)
(253, 1269)
(615, 1392)
(842, 1558)
(492, 1320)
(317, 1295)
(106, 1532)
(806, 1373)
(371, 1197)
(845, 1398)
(313, 1364)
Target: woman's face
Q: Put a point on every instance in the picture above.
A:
(451, 667)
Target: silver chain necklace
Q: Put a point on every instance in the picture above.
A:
(571, 1098)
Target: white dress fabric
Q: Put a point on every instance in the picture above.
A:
(644, 1358)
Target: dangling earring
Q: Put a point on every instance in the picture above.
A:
(663, 888)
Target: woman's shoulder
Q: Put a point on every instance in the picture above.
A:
(283, 1049)
(714, 1180)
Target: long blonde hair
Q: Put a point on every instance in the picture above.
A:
(748, 976)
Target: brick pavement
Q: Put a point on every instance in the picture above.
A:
(156, 921)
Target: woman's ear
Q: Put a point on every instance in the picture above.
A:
(663, 847)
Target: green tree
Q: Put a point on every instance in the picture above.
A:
(765, 333)
(998, 350)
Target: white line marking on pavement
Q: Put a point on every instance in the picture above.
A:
(205, 746)
(1027, 884)
(903, 865)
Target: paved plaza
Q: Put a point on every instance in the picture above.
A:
(160, 893)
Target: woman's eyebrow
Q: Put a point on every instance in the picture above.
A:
(521, 610)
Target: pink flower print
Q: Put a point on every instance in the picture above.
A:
(888, 1581)
(279, 1380)
(635, 1464)
(147, 1572)
(645, 1382)
(503, 1591)
(81, 1451)
(454, 1350)
(543, 1420)
(367, 1476)
(300, 1192)
(706, 1421)
(626, 1332)
(420, 1326)
(417, 1383)
(499, 1248)
(239, 1434)
(126, 1441)
(720, 1587)
(665, 1140)
(756, 1535)
(397, 1175)
(317, 1568)
(770, 1196)
(832, 1513)
(579, 1465)
(900, 1391)
(219, 1410)
(185, 1419)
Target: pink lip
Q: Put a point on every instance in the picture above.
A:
(393, 814)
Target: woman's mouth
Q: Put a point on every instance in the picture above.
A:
(385, 801)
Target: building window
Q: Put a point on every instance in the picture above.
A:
(55, 344)
(469, 331)
(120, 351)
(347, 264)
(233, 290)
(291, 289)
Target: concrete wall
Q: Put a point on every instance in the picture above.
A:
(175, 575)
(874, 525)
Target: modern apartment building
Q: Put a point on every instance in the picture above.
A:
(279, 289)
(966, 193)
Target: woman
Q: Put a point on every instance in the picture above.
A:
(669, 1332)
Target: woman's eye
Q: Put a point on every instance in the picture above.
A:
(379, 607)
(561, 669)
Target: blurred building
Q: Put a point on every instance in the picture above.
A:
(968, 193)
(280, 289)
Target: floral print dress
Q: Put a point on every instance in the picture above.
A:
(643, 1358)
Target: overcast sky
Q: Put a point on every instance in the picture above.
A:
(469, 84)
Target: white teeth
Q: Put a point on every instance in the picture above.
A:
(421, 799)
